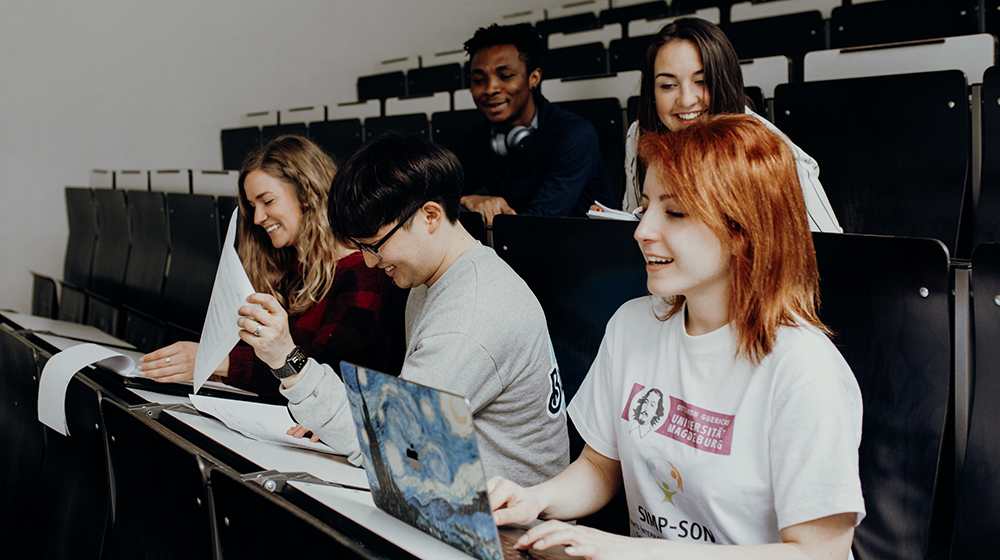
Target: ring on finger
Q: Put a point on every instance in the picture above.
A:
(256, 332)
(167, 359)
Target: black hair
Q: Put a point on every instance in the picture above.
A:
(529, 44)
(723, 76)
(390, 177)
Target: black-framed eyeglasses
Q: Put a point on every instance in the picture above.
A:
(373, 248)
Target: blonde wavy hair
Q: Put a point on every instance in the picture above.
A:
(296, 276)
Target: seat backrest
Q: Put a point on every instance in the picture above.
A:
(169, 180)
(72, 304)
(607, 118)
(194, 258)
(82, 215)
(382, 86)
(887, 301)
(338, 137)
(103, 314)
(987, 228)
(590, 59)
(977, 499)
(72, 511)
(571, 22)
(427, 104)
(237, 143)
(432, 79)
(881, 170)
(180, 526)
(415, 124)
(150, 250)
(44, 296)
(893, 21)
(22, 437)
(620, 86)
(790, 35)
(765, 73)
(623, 13)
(610, 271)
(755, 10)
(270, 132)
(450, 127)
(111, 252)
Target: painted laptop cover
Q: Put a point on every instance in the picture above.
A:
(419, 450)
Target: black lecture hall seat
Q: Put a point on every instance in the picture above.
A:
(432, 79)
(272, 131)
(82, 221)
(194, 258)
(606, 116)
(111, 251)
(577, 306)
(791, 35)
(150, 249)
(338, 137)
(589, 59)
(567, 24)
(381, 86)
(255, 523)
(887, 300)
(237, 143)
(977, 507)
(894, 21)
(44, 296)
(987, 227)
(72, 512)
(413, 124)
(450, 127)
(161, 503)
(624, 14)
(882, 171)
(22, 438)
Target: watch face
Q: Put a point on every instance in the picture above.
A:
(298, 360)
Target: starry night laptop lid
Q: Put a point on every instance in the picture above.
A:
(419, 449)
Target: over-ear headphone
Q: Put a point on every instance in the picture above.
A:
(516, 139)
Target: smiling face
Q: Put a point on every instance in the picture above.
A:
(683, 256)
(275, 208)
(405, 258)
(501, 86)
(681, 94)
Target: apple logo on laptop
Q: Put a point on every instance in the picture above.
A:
(413, 458)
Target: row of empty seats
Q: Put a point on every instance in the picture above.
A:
(139, 264)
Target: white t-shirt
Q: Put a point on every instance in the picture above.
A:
(713, 449)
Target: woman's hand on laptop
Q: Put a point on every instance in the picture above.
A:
(512, 503)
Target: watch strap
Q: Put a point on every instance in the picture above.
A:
(294, 363)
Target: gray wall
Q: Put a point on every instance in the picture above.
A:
(120, 84)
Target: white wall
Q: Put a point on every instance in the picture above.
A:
(120, 84)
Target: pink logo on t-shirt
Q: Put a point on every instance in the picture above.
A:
(698, 427)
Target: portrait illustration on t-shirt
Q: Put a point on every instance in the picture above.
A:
(667, 477)
(647, 413)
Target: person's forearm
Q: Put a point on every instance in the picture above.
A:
(561, 498)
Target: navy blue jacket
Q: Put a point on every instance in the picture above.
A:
(561, 172)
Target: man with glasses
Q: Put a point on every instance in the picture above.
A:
(473, 327)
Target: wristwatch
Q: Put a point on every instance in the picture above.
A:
(293, 364)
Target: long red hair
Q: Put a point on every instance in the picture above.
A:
(739, 178)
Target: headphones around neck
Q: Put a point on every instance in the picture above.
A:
(517, 139)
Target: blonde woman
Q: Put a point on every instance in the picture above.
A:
(338, 308)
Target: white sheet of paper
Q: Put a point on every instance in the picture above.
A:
(61, 368)
(259, 421)
(229, 293)
(608, 213)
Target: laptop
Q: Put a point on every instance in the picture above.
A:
(419, 450)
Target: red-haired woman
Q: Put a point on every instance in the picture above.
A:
(719, 402)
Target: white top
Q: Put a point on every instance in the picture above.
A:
(821, 215)
(712, 448)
